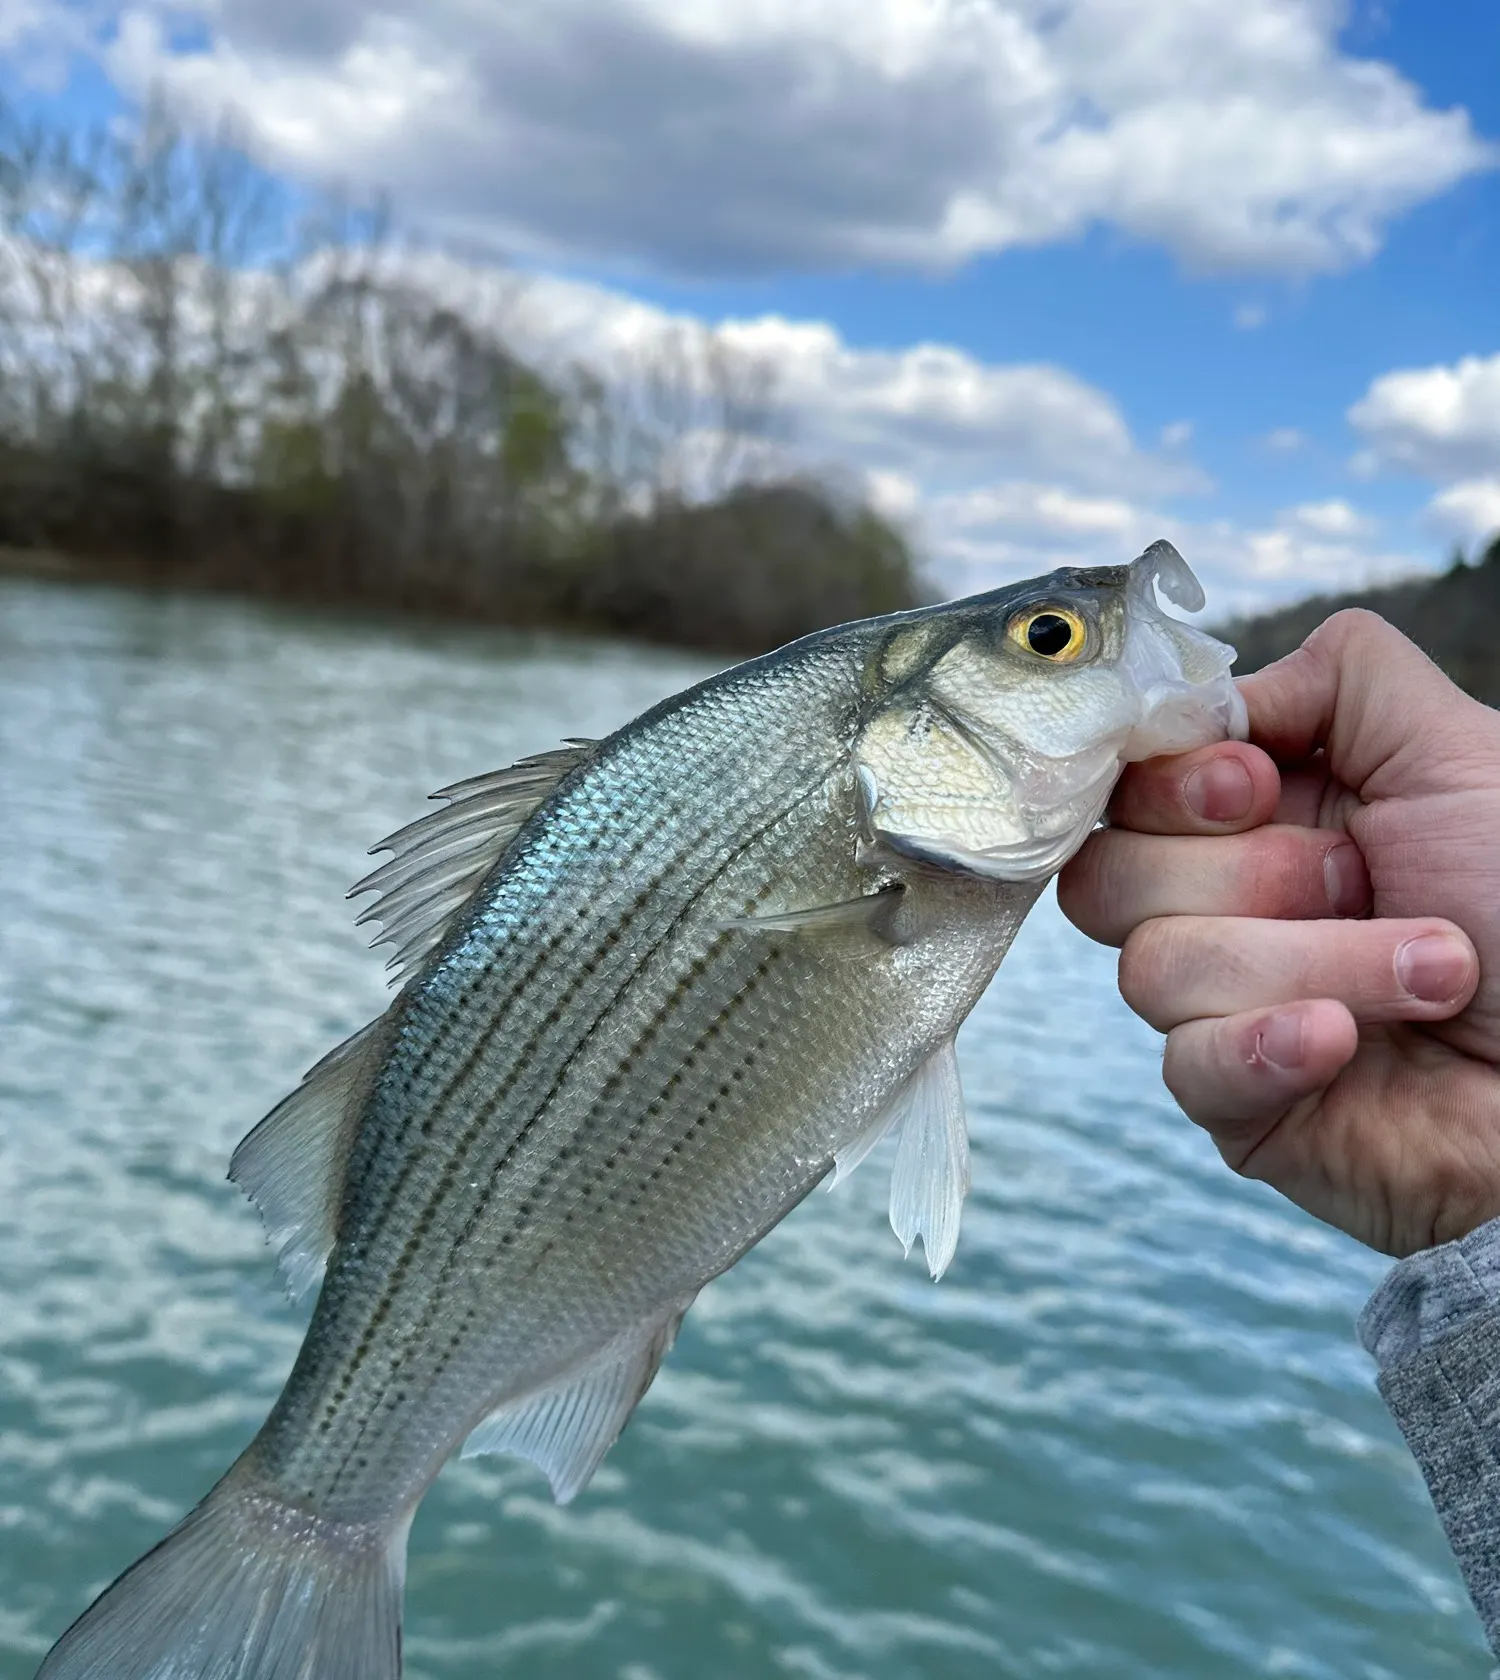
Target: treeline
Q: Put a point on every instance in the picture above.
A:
(202, 383)
(1454, 618)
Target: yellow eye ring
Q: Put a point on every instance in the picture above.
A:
(1054, 633)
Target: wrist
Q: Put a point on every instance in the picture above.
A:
(1432, 1294)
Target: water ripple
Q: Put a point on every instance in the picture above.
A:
(1129, 1435)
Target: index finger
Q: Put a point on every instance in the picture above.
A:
(1221, 789)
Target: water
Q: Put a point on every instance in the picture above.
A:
(1130, 1435)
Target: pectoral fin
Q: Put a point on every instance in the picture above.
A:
(566, 1431)
(871, 921)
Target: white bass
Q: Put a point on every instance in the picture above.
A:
(656, 988)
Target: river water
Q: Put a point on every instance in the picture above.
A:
(1130, 1436)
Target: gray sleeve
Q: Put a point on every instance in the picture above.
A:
(1433, 1327)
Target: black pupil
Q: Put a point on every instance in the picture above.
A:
(1049, 635)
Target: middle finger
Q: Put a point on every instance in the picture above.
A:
(1120, 878)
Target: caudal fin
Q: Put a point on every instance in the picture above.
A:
(246, 1588)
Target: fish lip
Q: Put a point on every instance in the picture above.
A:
(1177, 712)
(1160, 567)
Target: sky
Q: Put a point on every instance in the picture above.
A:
(1048, 279)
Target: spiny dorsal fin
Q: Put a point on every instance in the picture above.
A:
(292, 1165)
(567, 1430)
(441, 859)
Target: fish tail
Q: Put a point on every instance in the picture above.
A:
(247, 1587)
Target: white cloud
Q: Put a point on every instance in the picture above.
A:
(1468, 510)
(1328, 519)
(713, 135)
(1283, 440)
(930, 413)
(999, 470)
(1441, 422)
(38, 38)
(1047, 511)
(1177, 435)
(1249, 316)
(896, 495)
(996, 532)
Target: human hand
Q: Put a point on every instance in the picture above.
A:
(1314, 921)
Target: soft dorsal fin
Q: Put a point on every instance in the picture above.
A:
(441, 859)
(931, 1175)
(566, 1431)
(292, 1164)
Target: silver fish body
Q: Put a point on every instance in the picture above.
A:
(728, 948)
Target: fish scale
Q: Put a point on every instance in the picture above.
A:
(655, 988)
(538, 1041)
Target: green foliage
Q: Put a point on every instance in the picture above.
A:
(196, 390)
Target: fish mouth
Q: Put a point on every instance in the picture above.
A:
(1187, 696)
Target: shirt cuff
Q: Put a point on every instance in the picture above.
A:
(1432, 1294)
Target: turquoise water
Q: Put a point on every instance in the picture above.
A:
(1129, 1435)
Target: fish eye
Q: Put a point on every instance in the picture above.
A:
(1055, 633)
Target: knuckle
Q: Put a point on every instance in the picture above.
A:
(1351, 623)
(1080, 885)
(1152, 964)
(1349, 630)
(1280, 872)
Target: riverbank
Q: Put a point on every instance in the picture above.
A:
(207, 387)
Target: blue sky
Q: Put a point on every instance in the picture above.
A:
(1051, 277)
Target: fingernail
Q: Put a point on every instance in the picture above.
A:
(1279, 1040)
(1433, 967)
(1346, 880)
(1220, 790)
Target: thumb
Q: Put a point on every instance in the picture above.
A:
(1385, 715)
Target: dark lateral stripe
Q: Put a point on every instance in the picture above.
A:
(715, 1028)
(382, 1308)
(705, 1038)
(435, 1110)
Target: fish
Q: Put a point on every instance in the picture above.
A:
(653, 990)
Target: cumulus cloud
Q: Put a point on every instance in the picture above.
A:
(1443, 424)
(1177, 435)
(1468, 510)
(1283, 440)
(1333, 518)
(1009, 531)
(998, 470)
(1440, 422)
(719, 135)
(929, 413)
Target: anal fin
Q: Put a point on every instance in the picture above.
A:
(566, 1430)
